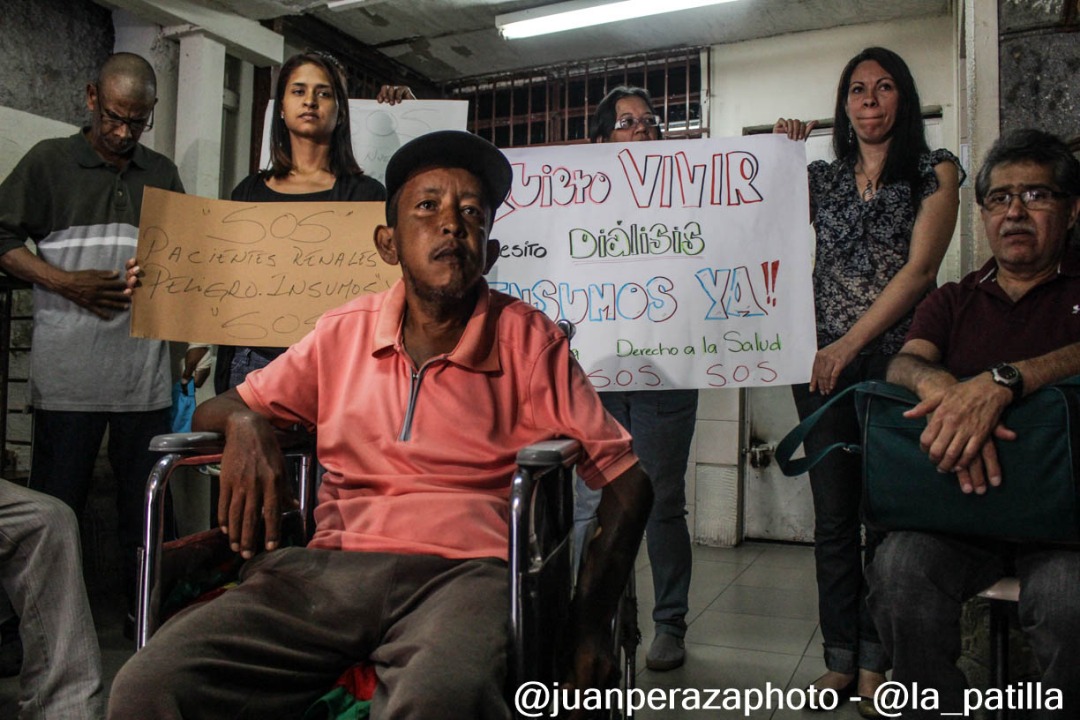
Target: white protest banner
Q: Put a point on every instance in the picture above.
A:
(379, 129)
(683, 263)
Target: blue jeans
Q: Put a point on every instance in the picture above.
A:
(918, 582)
(661, 424)
(244, 361)
(851, 640)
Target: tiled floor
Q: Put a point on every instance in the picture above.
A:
(753, 621)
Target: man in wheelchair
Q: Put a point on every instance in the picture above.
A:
(420, 397)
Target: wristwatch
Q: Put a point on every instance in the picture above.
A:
(1008, 376)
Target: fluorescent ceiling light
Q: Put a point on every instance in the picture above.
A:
(585, 13)
(339, 5)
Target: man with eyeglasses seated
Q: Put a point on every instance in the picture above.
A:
(1010, 328)
(78, 198)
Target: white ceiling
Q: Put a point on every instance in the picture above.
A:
(450, 39)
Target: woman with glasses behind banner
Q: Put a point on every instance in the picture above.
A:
(662, 425)
(311, 160)
(884, 212)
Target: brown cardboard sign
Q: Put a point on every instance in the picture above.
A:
(254, 274)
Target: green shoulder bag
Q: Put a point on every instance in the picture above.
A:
(1038, 498)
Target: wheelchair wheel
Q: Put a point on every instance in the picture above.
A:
(627, 638)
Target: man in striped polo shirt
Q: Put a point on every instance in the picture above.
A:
(78, 198)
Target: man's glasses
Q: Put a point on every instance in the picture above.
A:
(1036, 198)
(646, 121)
(134, 125)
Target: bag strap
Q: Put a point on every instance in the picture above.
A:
(892, 391)
(786, 447)
(889, 390)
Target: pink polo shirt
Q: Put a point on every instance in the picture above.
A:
(419, 461)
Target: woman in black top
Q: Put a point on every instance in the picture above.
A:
(884, 212)
(311, 160)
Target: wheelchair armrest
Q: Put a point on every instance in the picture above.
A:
(195, 443)
(212, 443)
(185, 449)
(550, 453)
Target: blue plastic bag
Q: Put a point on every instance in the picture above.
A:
(183, 405)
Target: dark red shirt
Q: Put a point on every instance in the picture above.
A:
(975, 324)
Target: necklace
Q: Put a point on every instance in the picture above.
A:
(868, 192)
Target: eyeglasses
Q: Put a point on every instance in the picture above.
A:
(134, 125)
(646, 121)
(1036, 198)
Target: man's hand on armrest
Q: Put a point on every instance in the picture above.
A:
(99, 291)
(961, 416)
(623, 512)
(252, 472)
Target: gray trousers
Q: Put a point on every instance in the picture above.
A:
(435, 629)
(41, 572)
(661, 424)
(918, 582)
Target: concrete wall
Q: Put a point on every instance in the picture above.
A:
(20, 131)
(145, 38)
(1040, 65)
(51, 49)
(754, 83)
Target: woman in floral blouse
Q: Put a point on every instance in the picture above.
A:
(884, 212)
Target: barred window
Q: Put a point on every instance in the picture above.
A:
(553, 105)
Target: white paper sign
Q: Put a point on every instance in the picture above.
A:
(379, 129)
(683, 264)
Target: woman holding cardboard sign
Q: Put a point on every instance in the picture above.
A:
(311, 160)
(884, 212)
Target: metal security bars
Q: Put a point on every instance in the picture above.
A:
(552, 105)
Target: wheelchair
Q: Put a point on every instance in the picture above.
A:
(540, 552)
